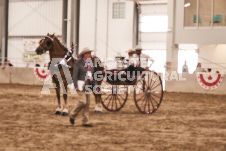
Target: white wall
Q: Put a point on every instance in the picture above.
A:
(214, 53)
(102, 27)
(195, 36)
(31, 18)
(35, 17)
(112, 35)
(87, 24)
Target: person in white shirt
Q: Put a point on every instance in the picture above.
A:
(128, 61)
(142, 59)
(199, 68)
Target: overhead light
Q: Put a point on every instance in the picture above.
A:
(187, 4)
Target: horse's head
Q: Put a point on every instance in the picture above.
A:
(45, 44)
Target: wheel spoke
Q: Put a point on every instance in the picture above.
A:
(112, 101)
(156, 86)
(153, 84)
(109, 101)
(148, 79)
(152, 103)
(116, 102)
(119, 100)
(143, 85)
(140, 86)
(145, 103)
(155, 95)
(121, 97)
(141, 98)
(155, 100)
(155, 81)
(149, 106)
(107, 97)
(150, 74)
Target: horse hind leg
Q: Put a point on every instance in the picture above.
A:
(65, 110)
(98, 106)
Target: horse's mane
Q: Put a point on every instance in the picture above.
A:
(98, 67)
(59, 42)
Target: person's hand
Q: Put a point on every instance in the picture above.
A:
(147, 68)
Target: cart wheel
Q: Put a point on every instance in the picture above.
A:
(113, 97)
(148, 93)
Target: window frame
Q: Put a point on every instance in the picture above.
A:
(119, 11)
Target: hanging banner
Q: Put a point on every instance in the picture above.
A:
(209, 81)
(42, 73)
(30, 44)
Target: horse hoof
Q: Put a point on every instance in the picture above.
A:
(99, 112)
(64, 114)
(57, 113)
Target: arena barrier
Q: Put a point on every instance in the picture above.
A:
(198, 83)
(188, 83)
(16, 75)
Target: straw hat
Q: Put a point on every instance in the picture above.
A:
(130, 51)
(138, 47)
(85, 50)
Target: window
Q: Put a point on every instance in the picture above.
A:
(118, 10)
(190, 11)
(205, 8)
(219, 13)
(204, 13)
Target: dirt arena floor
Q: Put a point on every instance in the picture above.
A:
(183, 122)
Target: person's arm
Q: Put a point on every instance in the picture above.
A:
(151, 60)
(75, 74)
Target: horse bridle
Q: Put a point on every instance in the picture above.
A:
(67, 56)
(45, 49)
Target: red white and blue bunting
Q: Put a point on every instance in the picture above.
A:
(42, 73)
(209, 81)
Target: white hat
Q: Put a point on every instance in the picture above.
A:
(85, 50)
(131, 51)
(138, 47)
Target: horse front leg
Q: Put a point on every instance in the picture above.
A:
(58, 110)
(98, 106)
(65, 107)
